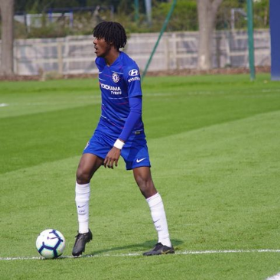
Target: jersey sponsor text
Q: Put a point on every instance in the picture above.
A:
(114, 90)
(134, 79)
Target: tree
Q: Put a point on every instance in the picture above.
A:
(7, 15)
(184, 17)
(207, 12)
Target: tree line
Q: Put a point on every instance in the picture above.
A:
(185, 14)
(43, 5)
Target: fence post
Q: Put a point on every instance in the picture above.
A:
(275, 39)
(59, 57)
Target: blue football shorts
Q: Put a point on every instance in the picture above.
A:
(135, 151)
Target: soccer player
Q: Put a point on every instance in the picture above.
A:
(120, 132)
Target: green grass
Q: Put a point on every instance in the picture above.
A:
(214, 143)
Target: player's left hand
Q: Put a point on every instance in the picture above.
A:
(112, 158)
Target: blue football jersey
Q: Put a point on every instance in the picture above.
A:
(118, 82)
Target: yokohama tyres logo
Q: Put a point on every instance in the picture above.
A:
(109, 87)
(114, 90)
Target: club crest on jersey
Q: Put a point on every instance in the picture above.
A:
(115, 77)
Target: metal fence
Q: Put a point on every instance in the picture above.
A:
(178, 50)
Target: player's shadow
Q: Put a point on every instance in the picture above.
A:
(135, 248)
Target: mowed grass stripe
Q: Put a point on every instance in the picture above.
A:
(31, 139)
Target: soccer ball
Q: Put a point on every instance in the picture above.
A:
(50, 243)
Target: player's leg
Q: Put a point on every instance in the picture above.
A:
(88, 165)
(144, 180)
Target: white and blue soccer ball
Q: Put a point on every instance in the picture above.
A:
(50, 243)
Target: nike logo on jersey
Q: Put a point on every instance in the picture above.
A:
(139, 160)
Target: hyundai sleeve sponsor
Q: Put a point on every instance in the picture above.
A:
(133, 72)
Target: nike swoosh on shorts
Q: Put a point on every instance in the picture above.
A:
(139, 160)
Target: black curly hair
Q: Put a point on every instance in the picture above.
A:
(112, 32)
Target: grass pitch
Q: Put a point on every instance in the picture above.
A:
(214, 143)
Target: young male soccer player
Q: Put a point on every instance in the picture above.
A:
(120, 132)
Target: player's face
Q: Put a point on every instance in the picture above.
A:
(102, 48)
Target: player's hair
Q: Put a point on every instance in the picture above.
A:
(111, 32)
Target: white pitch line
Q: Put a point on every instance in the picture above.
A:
(229, 251)
(3, 104)
(140, 254)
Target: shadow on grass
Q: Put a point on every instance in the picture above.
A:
(136, 248)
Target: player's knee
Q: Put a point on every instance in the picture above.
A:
(82, 177)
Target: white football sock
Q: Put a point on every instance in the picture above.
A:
(159, 219)
(82, 203)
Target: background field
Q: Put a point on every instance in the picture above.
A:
(214, 143)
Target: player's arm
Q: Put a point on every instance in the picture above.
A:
(135, 104)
